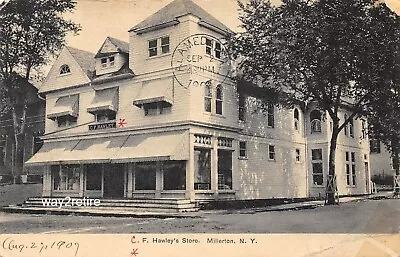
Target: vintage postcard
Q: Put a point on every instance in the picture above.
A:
(199, 128)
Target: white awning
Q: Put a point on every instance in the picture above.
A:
(104, 100)
(154, 147)
(172, 145)
(96, 150)
(158, 90)
(65, 106)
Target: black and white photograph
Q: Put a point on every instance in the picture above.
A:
(200, 127)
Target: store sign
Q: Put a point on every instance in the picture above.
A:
(107, 125)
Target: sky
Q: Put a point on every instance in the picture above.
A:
(102, 18)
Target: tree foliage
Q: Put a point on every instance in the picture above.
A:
(335, 53)
(30, 32)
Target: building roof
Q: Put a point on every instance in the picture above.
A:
(121, 45)
(179, 8)
(83, 58)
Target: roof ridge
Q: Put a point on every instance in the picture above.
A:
(77, 49)
(178, 8)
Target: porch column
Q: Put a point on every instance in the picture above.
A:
(159, 179)
(46, 181)
(190, 194)
(130, 180)
(214, 167)
(82, 181)
(235, 165)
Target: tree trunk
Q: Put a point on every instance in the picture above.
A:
(19, 142)
(395, 158)
(332, 156)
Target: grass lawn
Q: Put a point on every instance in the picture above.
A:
(17, 194)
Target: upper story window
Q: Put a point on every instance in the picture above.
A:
(242, 149)
(219, 100)
(156, 108)
(66, 121)
(159, 45)
(351, 128)
(242, 108)
(207, 98)
(36, 144)
(112, 60)
(108, 62)
(271, 152)
(363, 129)
(164, 45)
(65, 111)
(64, 69)
(375, 145)
(105, 116)
(296, 119)
(213, 48)
(315, 118)
(298, 155)
(270, 115)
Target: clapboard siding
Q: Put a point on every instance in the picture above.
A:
(261, 178)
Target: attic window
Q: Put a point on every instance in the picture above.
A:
(64, 69)
(112, 60)
(104, 62)
(108, 62)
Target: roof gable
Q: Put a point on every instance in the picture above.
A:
(80, 64)
(112, 45)
(179, 8)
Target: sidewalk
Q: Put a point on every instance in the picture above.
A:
(115, 212)
(310, 204)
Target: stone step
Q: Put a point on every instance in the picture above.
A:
(162, 205)
(137, 200)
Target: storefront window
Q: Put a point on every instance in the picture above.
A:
(145, 176)
(93, 177)
(174, 175)
(66, 177)
(202, 169)
(224, 169)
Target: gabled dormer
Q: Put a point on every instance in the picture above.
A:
(73, 67)
(112, 56)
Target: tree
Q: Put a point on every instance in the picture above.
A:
(30, 31)
(331, 52)
(384, 116)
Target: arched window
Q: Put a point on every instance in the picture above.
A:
(207, 98)
(347, 125)
(64, 69)
(315, 117)
(296, 119)
(219, 100)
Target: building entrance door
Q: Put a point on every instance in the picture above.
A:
(114, 181)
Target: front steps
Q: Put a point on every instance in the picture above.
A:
(119, 205)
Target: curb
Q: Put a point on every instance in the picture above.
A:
(96, 213)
